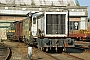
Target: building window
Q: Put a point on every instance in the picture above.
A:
(74, 25)
(34, 20)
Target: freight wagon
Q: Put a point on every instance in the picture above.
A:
(17, 36)
(45, 30)
(80, 35)
(10, 31)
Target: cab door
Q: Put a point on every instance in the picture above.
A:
(34, 26)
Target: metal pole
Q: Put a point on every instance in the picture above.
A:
(29, 53)
(68, 22)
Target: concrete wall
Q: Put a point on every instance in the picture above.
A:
(3, 33)
(11, 18)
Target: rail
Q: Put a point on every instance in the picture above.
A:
(77, 58)
(46, 53)
(4, 52)
(8, 54)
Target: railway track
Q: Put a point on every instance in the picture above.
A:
(72, 56)
(81, 56)
(53, 56)
(38, 54)
(4, 52)
(86, 44)
(87, 50)
(65, 55)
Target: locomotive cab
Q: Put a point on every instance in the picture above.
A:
(34, 26)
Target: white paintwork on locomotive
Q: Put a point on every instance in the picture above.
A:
(36, 25)
(41, 24)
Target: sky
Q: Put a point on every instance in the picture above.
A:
(85, 3)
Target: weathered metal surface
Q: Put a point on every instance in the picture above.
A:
(20, 29)
(16, 35)
(26, 28)
(52, 24)
(56, 24)
(49, 42)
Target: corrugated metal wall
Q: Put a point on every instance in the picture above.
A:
(20, 30)
(16, 31)
(41, 2)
